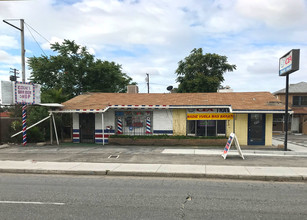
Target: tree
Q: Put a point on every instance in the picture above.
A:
(75, 71)
(200, 72)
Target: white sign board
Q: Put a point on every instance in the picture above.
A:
(289, 62)
(285, 63)
(6, 93)
(19, 93)
(232, 138)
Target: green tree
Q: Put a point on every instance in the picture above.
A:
(75, 71)
(200, 72)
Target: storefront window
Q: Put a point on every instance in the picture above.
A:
(191, 128)
(209, 128)
(134, 122)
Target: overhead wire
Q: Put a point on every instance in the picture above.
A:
(36, 42)
(38, 33)
(28, 27)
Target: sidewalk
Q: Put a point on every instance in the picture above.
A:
(157, 162)
(157, 170)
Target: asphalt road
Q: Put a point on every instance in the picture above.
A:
(136, 154)
(71, 197)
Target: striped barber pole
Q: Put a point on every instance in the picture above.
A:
(119, 126)
(148, 126)
(24, 124)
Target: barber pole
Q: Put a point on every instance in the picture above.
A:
(148, 126)
(24, 124)
(119, 126)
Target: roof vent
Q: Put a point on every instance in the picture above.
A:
(274, 103)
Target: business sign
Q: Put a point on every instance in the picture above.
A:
(208, 110)
(19, 93)
(289, 63)
(209, 116)
(24, 93)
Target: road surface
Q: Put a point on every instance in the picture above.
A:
(84, 197)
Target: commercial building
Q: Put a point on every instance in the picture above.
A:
(96, 116)
(298, 103)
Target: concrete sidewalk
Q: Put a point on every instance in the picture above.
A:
(157, 170)
(294, 150)
(271, 165)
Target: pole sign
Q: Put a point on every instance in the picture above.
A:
(24, 93)
(289, 63)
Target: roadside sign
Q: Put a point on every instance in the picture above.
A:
(19, 93)
(24, 93)
(289, 63)
(232, 138)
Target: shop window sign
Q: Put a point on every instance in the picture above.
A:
(134, 122)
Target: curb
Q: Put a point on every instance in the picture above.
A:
(155, 174)
(4, 146)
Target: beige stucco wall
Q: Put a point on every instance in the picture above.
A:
(179, 122)
(268, 129)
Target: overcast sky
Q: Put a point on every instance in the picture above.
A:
(152, 36)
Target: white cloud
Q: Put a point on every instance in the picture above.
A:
(8, 42)
(8, 58)
(277, 14)
(152, 36)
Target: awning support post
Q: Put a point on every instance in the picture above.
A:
(55, 131)
(102, 125)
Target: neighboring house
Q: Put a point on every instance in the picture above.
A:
(249, 114)
(298, 104)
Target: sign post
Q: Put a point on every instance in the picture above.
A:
(288, 63)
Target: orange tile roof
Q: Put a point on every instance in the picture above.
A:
(237, 100)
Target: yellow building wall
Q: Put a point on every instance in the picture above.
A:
(268, 129)
(179, 122)
(241, 128)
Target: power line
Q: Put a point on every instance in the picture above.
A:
(36, 40)
(38, 33)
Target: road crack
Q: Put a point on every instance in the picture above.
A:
(182, 208)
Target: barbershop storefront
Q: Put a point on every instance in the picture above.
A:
(209, 114)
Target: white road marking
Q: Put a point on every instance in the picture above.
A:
(33, 203)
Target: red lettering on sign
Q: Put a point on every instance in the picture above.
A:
(288, 60)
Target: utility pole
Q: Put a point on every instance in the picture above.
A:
(22, 38)
(23, 51)
(147, 80)
(23, 72)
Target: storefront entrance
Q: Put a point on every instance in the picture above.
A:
(256, 129)
(87, 128)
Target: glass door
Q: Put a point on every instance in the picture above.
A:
(256, 129)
